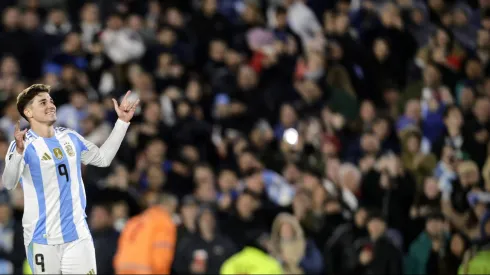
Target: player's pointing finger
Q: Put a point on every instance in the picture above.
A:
(125, 98)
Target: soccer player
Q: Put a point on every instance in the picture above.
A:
(46, 160)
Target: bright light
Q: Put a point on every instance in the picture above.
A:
(291, 136)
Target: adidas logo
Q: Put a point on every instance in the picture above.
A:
(91, 272)
(46, 157)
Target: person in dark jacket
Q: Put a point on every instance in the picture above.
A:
(380, 256)
(246, 220)
(454, 253)
(205, 251)
(453, 134)
(389, 188)
(340, 250)
(105, 237)
(426, 250)
(479, 129)
(188, 214)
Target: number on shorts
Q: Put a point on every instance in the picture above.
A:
(63, 172)
(39, 258)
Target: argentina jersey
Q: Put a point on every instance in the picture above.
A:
(54, 194)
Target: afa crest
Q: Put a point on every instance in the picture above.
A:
(58, 153)
(69, 150)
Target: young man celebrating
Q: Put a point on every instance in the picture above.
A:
(46, 160)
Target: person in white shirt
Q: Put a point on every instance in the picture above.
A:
(121, 44)
(46, 160)
(302, 20)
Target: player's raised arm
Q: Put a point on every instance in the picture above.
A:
(14, 159)
(103, 156)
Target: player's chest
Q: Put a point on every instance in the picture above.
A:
(51, 152)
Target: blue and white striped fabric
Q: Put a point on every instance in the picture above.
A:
(277, 188)
(54, 194)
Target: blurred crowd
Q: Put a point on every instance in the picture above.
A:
(274, 136)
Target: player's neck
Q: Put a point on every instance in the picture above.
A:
(43, 130)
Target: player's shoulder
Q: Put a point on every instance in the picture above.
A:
(30, 137)
(61, 131)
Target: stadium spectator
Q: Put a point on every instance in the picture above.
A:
(297, 254)
(105, 237)
(208, 241)
(147, 243)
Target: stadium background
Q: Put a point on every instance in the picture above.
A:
(367, 121)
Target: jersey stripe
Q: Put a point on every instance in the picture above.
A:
(32, 133)
(12, 146)
(37, 180)
(79, 146)
(30, 254)
(68, 228)
(51, 192)
(78, 212)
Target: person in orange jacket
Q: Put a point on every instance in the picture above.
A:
(147, 242)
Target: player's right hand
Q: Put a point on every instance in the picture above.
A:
(19, 138)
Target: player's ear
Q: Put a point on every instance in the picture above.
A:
(28, 112)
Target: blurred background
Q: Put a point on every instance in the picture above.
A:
(311, 136)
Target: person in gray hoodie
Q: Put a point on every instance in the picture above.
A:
(420, 26)
(464, 32)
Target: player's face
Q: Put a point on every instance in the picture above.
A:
(42, 109)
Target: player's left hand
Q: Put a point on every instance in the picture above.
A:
(126, 110)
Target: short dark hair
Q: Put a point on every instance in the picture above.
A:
(280, 10)
(26, 96)
(449, 109)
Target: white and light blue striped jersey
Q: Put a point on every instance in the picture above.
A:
(51, 178)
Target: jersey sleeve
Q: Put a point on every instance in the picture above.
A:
(14, 166)
(103, 156)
